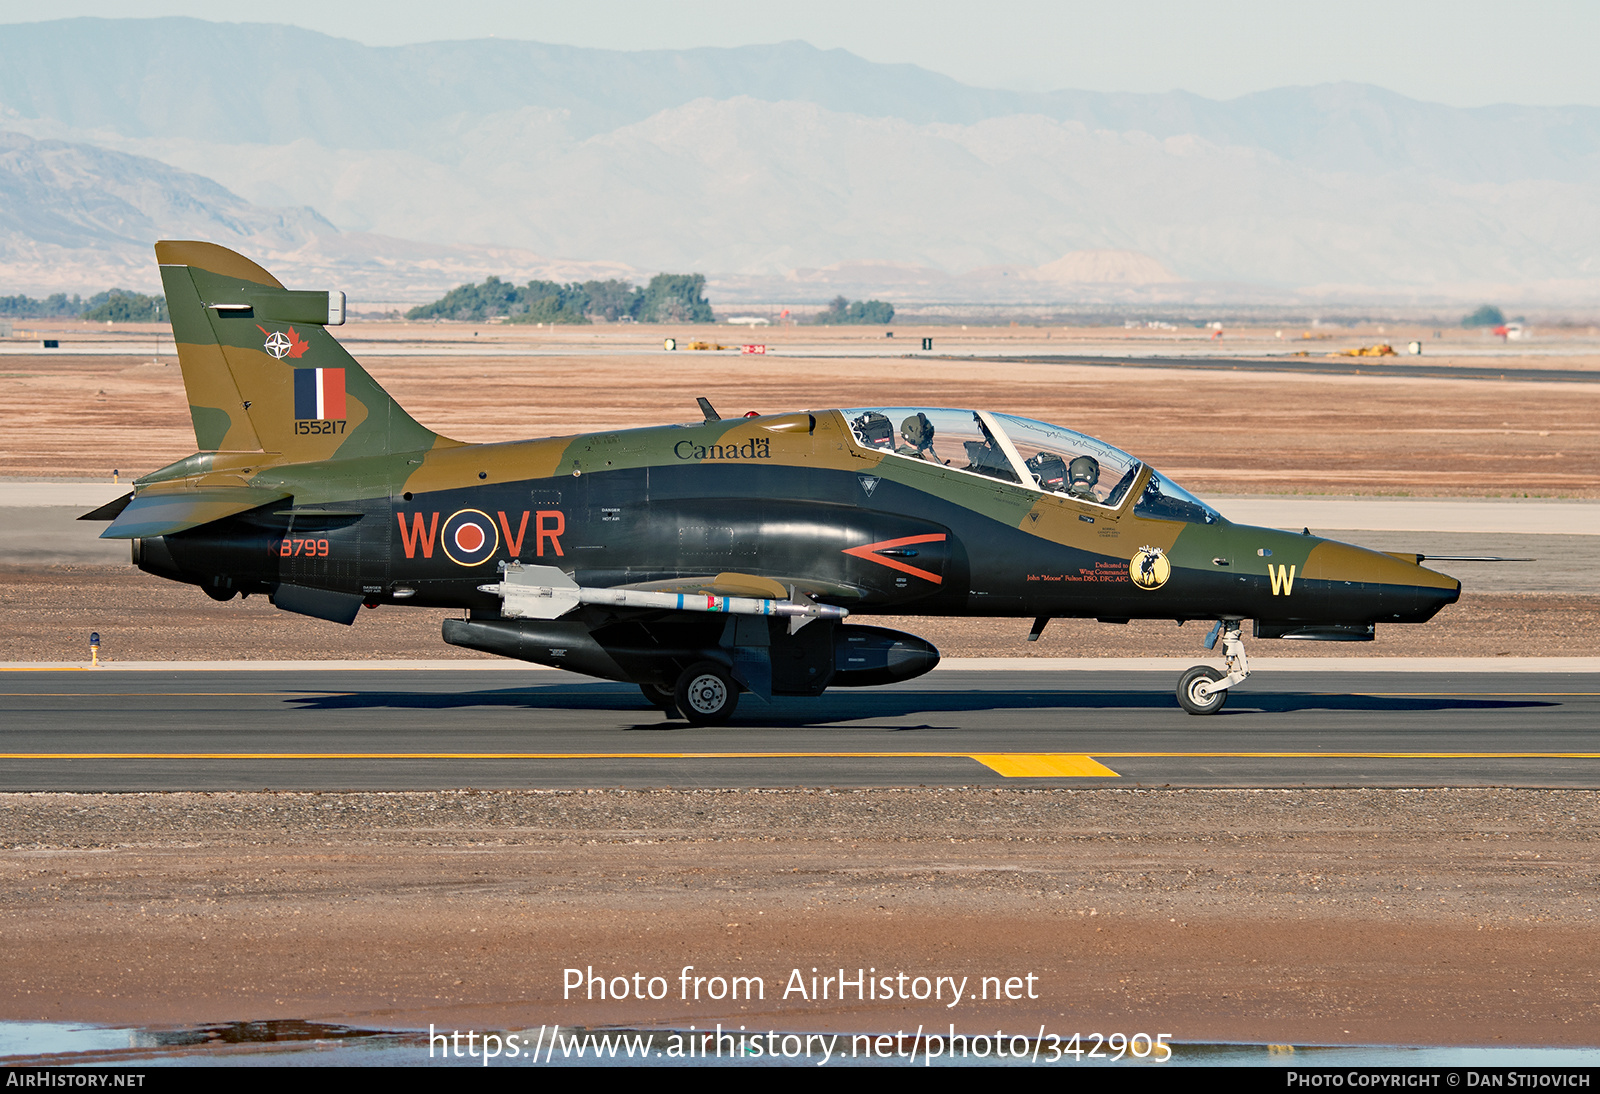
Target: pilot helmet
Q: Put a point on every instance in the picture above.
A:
(917, 430)
(1084, 471)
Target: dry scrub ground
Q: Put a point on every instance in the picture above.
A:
(1326, 916)
(1224, 432)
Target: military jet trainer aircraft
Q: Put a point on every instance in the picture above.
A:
(698, 561)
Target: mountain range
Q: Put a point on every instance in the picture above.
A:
(783, 171)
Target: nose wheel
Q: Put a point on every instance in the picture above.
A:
(706, 694)
(1203, 689)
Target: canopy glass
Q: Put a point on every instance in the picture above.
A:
(1036, 455)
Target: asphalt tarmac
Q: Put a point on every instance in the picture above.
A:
(354, 729)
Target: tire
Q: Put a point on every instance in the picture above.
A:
(1188, 685)
(660, 695)
(706, 694)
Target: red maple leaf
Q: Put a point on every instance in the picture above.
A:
(297, 345)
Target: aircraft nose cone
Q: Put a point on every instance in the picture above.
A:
(1426, 600)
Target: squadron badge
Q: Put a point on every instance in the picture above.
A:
(1149, 568)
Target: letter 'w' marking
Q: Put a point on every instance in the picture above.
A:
(411, 537)
(1282, 579)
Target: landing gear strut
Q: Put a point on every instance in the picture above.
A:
(1202, 689)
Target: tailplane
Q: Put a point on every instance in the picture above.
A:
(261, 371)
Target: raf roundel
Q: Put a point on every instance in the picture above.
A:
(470, 537)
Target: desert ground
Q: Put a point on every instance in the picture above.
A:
(1293, 916)
(1349, 916)
(1219, 432)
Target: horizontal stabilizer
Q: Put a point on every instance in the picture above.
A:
(163, 514)
(110, 510)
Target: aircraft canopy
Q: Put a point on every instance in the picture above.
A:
(1035, 455)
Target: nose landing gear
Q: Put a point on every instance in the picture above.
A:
(1202, 689)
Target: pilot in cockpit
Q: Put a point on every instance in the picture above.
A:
(1082, 475)
(917, 432)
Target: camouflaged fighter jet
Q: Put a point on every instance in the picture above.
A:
(698, 561)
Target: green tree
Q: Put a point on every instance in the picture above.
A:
(1486, 316)
(55, 306)
(676, 298)
(493, 297)
(548, 302)
(614, 300)
(122, 306)
(669, 298)
(840, 310)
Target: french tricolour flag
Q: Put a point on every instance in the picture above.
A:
(318, 393)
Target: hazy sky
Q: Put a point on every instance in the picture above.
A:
(1461, 52)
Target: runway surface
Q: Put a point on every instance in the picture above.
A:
(301, 729)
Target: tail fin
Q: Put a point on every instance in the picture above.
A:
(262, 375)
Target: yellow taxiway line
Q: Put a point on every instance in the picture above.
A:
(1012, 765)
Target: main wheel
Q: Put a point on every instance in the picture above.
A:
(1193, 695)
(660, 695)
(706, 694)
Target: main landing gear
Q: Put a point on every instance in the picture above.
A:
(706, 694)
(1202, 689)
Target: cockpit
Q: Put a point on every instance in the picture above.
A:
(1033, 455)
